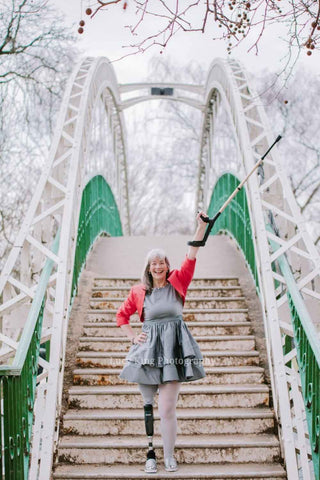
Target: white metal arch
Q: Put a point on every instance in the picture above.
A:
(227, 84)
(56, 205)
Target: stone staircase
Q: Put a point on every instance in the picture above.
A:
(226, 429)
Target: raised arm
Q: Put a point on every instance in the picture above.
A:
(199, 234)
(184, 275)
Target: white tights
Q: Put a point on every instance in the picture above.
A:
(168, 396)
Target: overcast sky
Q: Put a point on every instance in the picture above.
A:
(106, 35)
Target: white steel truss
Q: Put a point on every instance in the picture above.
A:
(270, 201)
(89, 112)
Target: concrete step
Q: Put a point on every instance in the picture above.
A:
(190, 421)
(194, 471)
(110, 329)
(122, 343)
(197, 395)
(202, 303)
(127, 449)
(189, 315)
(210, 292)
(218, 358)
(196, 282)
(214, 375)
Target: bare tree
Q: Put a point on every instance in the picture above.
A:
(232, 21)
(37, 54)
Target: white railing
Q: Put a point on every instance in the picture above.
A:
(227, 87)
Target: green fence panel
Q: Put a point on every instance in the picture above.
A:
(98, 214)
(235, 219)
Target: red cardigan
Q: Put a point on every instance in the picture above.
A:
(179, 279)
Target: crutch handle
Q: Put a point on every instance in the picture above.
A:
(205, 219)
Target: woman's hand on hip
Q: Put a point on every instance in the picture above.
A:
(141, 338)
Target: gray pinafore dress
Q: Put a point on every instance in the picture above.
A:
(170, 353)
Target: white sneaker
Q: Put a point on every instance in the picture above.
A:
(151, 465)
(170, 464)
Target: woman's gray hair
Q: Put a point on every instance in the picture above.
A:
(147, 279)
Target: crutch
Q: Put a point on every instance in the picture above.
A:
(212, 221)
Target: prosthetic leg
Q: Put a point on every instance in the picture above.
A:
(151, 464)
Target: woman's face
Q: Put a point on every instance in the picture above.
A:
(158, 269)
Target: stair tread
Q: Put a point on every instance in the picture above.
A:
(240, 470)
(191, 287)
(223, 369)
(215, 441)
(199, 388)
(218, 277)
(215, 353)
(212, 323)
(185, 310)
(137, 413)
(123, 338)
(190, 299)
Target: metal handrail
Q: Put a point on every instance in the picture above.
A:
(306, 342)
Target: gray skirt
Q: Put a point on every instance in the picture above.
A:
(170, 353)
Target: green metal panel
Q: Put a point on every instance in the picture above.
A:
(98, 214)
(235, 219)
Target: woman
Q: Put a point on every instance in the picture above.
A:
(164, 354)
